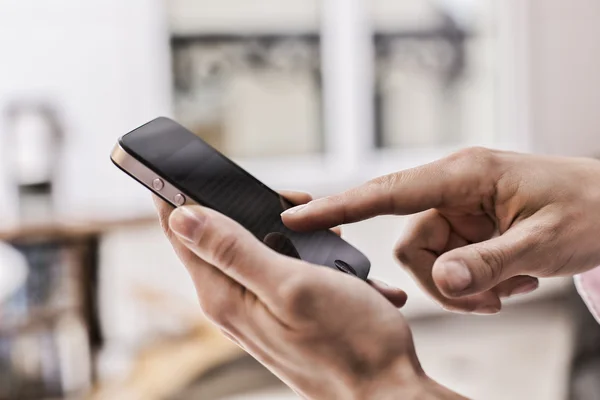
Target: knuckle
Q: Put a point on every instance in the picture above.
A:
(477, 153)
(402, 252)
(475, 159)
(490, 267)
(545, 234)
(474, 170)
(226, 250)
(164, 213)
(563, 220)
(422, 235)
(163, 220)
(544, 246)
(336, 200)
(298, 296)
(386, 181)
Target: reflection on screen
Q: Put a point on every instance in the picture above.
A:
(214, 181)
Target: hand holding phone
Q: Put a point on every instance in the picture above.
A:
(182, 169)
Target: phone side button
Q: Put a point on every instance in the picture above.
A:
(158, 184)
(179, 199)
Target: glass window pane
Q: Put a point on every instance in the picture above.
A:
(249, 93)
(251, 97)
(434, 73)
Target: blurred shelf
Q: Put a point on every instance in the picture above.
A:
(289, 16)
(36, 319)
(71, 229)
(181, 38)
(388, 15)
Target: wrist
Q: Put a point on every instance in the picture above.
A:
(404, 381)
(423, 388)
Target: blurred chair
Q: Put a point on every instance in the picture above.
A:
(13, 271)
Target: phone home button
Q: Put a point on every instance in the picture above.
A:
(344, 267)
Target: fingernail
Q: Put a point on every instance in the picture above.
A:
(487, 310)
(387, 285)
(294, 210)
(457, 276)
(529, 287)
(382, 283)
(187, 224)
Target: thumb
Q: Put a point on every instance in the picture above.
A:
(222, 243)
(480, 266)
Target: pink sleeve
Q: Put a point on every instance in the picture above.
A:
(588, 286)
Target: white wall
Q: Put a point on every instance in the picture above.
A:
(106, 64)
(564, 68)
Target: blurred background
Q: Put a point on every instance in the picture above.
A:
(308, 95)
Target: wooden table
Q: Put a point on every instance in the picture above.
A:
(59, 230)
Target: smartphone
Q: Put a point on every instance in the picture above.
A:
(182, 169)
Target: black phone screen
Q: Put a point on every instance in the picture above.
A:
(211, 179)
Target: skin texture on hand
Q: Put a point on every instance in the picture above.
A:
(487, 224)
(325, 334)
